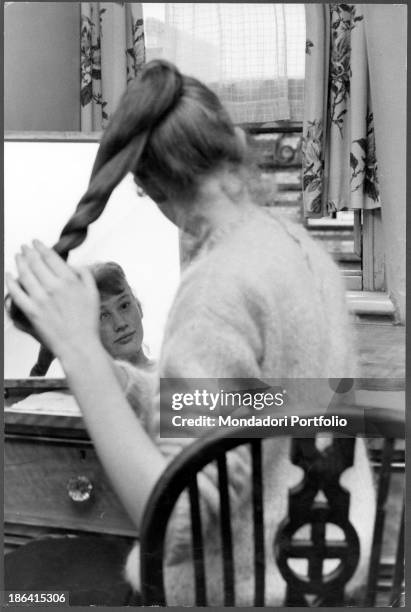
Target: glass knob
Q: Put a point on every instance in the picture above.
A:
(79, 489)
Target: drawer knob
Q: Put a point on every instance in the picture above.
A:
(79, 489)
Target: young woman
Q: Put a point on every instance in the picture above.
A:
(121, 329)
(121, 326)
(121, 334)
(260, 300)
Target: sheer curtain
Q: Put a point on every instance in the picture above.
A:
(240, 50)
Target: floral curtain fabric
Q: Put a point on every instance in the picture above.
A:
(112, 53)
(339, 158)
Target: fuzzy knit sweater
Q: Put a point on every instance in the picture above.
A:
(260, 300)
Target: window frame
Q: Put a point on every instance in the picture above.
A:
(367, 227)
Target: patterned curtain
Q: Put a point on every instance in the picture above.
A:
(112, 53)
(339, 157)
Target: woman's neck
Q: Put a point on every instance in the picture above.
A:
(223, 199)
(140, 359)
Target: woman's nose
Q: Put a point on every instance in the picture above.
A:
(119, 322)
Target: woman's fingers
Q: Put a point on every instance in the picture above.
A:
(55, 263)
(19, 296)
(88, 283)
(61, 302)
(39, 268)
(27, 278)
(87, 278)
(42, 272)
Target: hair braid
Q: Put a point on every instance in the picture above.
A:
(44, 360)
(94, 201)
(148, 99)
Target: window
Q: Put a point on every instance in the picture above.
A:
(252, 55)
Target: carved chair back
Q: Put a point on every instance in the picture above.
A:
(322, 470)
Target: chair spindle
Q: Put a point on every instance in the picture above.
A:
(382, 495)
(226, 535)
(258, 522)
(397, 587)
(197, 539)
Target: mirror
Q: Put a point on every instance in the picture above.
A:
(43, 181)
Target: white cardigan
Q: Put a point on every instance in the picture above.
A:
(261, 300)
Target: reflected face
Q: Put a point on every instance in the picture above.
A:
(121, 329)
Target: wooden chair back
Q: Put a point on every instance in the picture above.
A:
(321, 473)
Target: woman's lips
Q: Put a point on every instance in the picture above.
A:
(125, 339)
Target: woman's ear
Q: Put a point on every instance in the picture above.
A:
(241, 137)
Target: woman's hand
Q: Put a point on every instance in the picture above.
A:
(62, 303)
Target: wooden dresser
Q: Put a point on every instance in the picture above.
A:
(53, 480)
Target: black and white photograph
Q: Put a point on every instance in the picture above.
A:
(204, 304)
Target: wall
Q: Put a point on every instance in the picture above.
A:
(386, 28)
(42, 66)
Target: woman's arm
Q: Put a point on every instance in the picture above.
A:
(139, 385)
(131, 460)
(62, 305)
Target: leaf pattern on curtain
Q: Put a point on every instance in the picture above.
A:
(314, 164)
(339, 157)
(135, 53)
(308, 45)
(112, 53)
(90, 63)
(364, 164)
(343, 20)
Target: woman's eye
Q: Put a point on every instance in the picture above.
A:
(125, 305)
(104, 316)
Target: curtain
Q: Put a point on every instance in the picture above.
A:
(240, 51)
(339, 157)
(386, 30)
(112, 53)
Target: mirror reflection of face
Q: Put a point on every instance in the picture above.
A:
(121, 329)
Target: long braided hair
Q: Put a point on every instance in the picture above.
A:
(169, 130)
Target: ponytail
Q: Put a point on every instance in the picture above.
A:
(148, 99)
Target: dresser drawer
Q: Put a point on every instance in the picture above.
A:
(39, 477)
